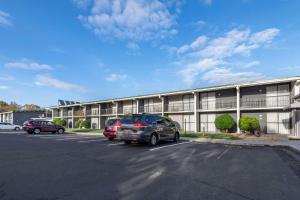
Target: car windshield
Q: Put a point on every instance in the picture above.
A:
(131, 119)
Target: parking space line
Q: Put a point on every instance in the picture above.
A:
(87, 141)
(115, 144)
(171, 145)
(223, 153)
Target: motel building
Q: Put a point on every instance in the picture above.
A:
(275, 103)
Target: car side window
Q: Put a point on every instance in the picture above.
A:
(50, 123)
(168, 122)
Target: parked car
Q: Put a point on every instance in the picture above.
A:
(38, 126)
(9, 126)
(147, 128)
(110, 130)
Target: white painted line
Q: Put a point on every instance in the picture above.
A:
(157, 148)
(87, 141)
(223, 153)
(115, 144)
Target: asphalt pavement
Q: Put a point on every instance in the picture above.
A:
(80, 167)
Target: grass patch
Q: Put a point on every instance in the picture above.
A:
(209, 135)
(83, 130)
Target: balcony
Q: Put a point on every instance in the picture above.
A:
(218, 104)
(275, 101)
(127, 110)
(179, 107)
(79, 113)
(150, 109)
(108, 111)
(94, 112)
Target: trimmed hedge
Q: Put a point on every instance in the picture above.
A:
(224, 122)
(249, 124)
(59, 121)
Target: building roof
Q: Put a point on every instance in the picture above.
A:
(203, 89)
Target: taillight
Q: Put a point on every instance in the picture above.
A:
(118, 124)
(140, 124)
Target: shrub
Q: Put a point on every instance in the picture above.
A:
(249, 124)
(78, 123)
(224, 122)
(59, 121)
(85, 124)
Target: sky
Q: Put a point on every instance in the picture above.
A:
(84, 50)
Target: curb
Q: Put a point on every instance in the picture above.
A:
(290, 147)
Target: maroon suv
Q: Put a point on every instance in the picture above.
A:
(38, 126)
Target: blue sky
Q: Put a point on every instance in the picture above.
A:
(98, 49)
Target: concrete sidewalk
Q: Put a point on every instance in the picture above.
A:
(293, 144)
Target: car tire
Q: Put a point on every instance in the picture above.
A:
(153, 140)
(176, 137)
(111, 138)
(36, 131)
(60, 131)
(17, 129)
(127, 141)
(29, 132)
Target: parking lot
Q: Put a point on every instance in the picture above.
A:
(71, 166)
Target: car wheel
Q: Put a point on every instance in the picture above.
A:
(29, 132)
(36, 131)
(111, 138)
(176, 137)
(17, 129)
(60, 131)
(153, 140)
(127, 142)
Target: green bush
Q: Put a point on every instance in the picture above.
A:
(224, 122)
(249, 124)
(78, 123)
(59, 121)
(85, 124)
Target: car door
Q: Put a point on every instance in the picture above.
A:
(1, 125)
(161, 127)
(10, 126)
(170, 128)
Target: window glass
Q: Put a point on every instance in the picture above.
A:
(111, 122)
(50, 123)
(130, 119)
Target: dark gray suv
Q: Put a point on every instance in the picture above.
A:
(147, 128)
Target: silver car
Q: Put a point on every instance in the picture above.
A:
(147, 128)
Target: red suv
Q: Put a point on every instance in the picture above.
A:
(110, 130)
(38, 126)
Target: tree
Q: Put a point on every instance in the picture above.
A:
(249, 124)
(78, 123)
(224, 122)
(31, 107)
(85, 124)
(59, 121)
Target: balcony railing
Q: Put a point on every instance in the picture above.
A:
(108, 111)
(150, 109)
(79, 113)
(93, 112)
(127, 110)
(179, 107)
(276, 101)
(218, 104)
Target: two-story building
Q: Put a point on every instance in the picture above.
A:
(272, 102)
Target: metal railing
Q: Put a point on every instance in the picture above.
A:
(150, 109)
(108, 111)
(93, 112)
(178, 107)
(275, 101)
(79, 113)
(127, 110)
(218, 104)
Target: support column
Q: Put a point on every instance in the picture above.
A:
(117, 109)
(138, 106)
(162, 106)
(99, 114)
(61, 111)
(52, 116)
(238, 112)
(196, 114)
(72, 117)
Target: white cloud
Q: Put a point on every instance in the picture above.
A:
(207, 2)
(133, 46)
(43, 80)
(225, 75)
(5, 19)
(27, 64)
(7, 78)
(194, 45)
(204, 55)
(3, 87)
(251, 64)
(131, 19)
(116, 77)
